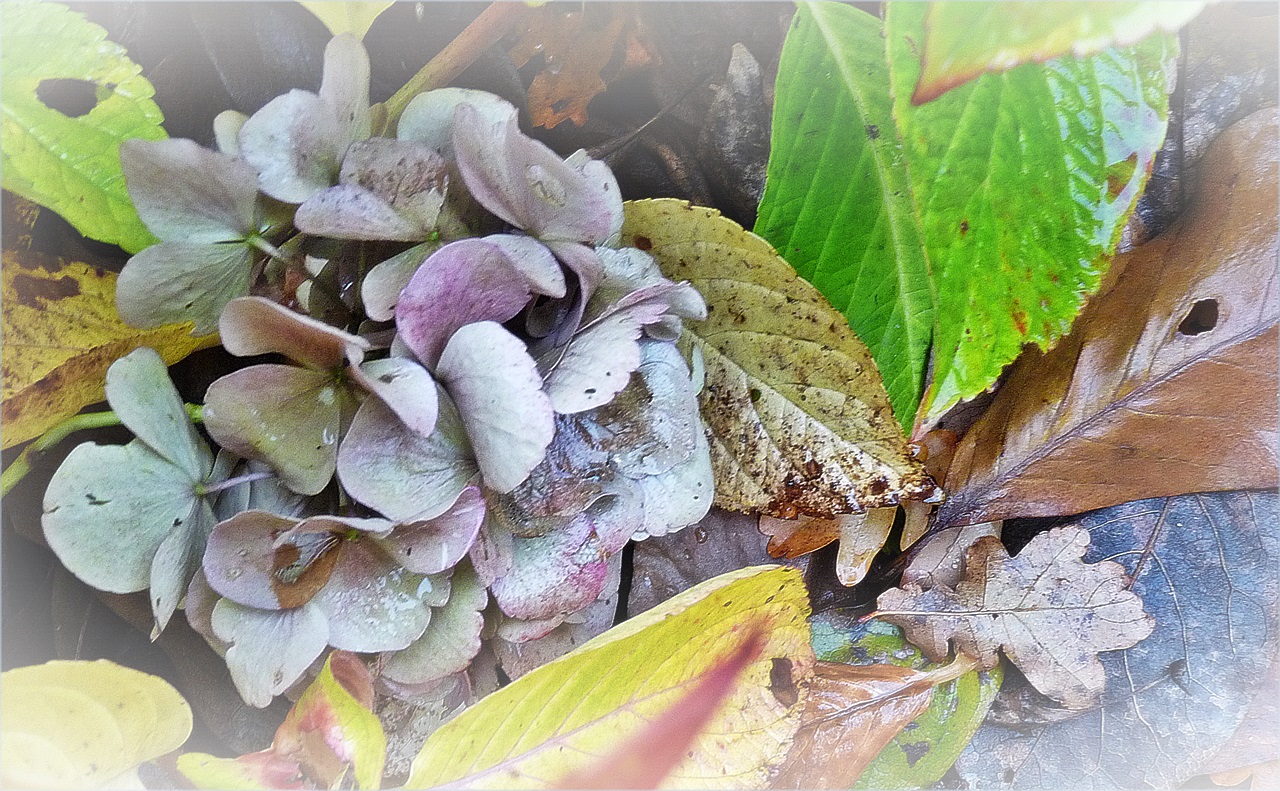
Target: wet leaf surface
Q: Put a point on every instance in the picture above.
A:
(1025, 150)
(1204, 566)
(1156, 390)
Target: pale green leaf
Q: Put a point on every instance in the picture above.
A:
(84, 724)
(562, 716)
(72, 164)
(962, 40)
(837, 204)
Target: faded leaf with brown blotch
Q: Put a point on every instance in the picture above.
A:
(853, 711)
(797, 416)
(1049, 611)
(61, 333)
(583, 49)
(1167, 383)
(861, 537)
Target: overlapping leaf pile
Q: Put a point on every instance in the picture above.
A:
(458, 339)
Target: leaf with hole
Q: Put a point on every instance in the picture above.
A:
(797, 417)
(555, 719)
(1157, 389)
(68, 161)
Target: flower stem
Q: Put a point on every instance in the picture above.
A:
(269, 248)
(238, 480)
(496, 21)
(21, 465)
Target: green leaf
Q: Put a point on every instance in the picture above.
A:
(72, 165)
(558, 718)
(84, 724)
(962, 40)
(1022, 181)
(837, 204)
(348, 728)
(923, 752)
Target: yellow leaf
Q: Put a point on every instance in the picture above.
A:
(355, 18)
(796, 412)
(559, 718)
(60, 334)
(84, 724)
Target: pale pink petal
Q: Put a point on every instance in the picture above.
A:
(496, 385)
(434, 545)
(256, 325)
(404, 386)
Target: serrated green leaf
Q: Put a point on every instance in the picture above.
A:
(72, 165)
(558, 718)
(962, 40)
(84, 724)
(923, 752)
(1023, 181)
(837, 204)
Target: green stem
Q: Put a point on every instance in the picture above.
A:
(18, 469)
(496, 21)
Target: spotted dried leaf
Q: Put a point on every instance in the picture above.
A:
(797, 415)
(1049, 611)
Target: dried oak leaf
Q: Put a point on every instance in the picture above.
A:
(1048, 610)
(1163, 386)
(796, 412)
(582, 51)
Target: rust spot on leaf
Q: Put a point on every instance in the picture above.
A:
(30, 290)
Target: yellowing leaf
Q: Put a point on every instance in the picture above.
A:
(1050, 612)
(83, 724)
(68, 162)
(347, 17)
(559, 718)
(61, 333)
(797, 416)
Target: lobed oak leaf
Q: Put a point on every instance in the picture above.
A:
(1050, 612)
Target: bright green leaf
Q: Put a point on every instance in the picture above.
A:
(349, 729)
(347, 17)
(72, 164)
(1023, 181)
(923, 752)
(962, 40)
(837, 204)
(83, 724)
(558, 718)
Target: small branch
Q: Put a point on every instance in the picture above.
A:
(18, 469)
(496, 21)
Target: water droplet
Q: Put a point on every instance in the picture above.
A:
(327, 437)
(700, 535)
(234, 573)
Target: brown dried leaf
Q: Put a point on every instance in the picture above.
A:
(851, 714)
(583, 50)
(940, 561)
(792, 538)
(796, 413)
(1048, 610)
(1166, 384)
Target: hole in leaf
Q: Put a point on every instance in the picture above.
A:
(1202, 317)
(72, 98)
